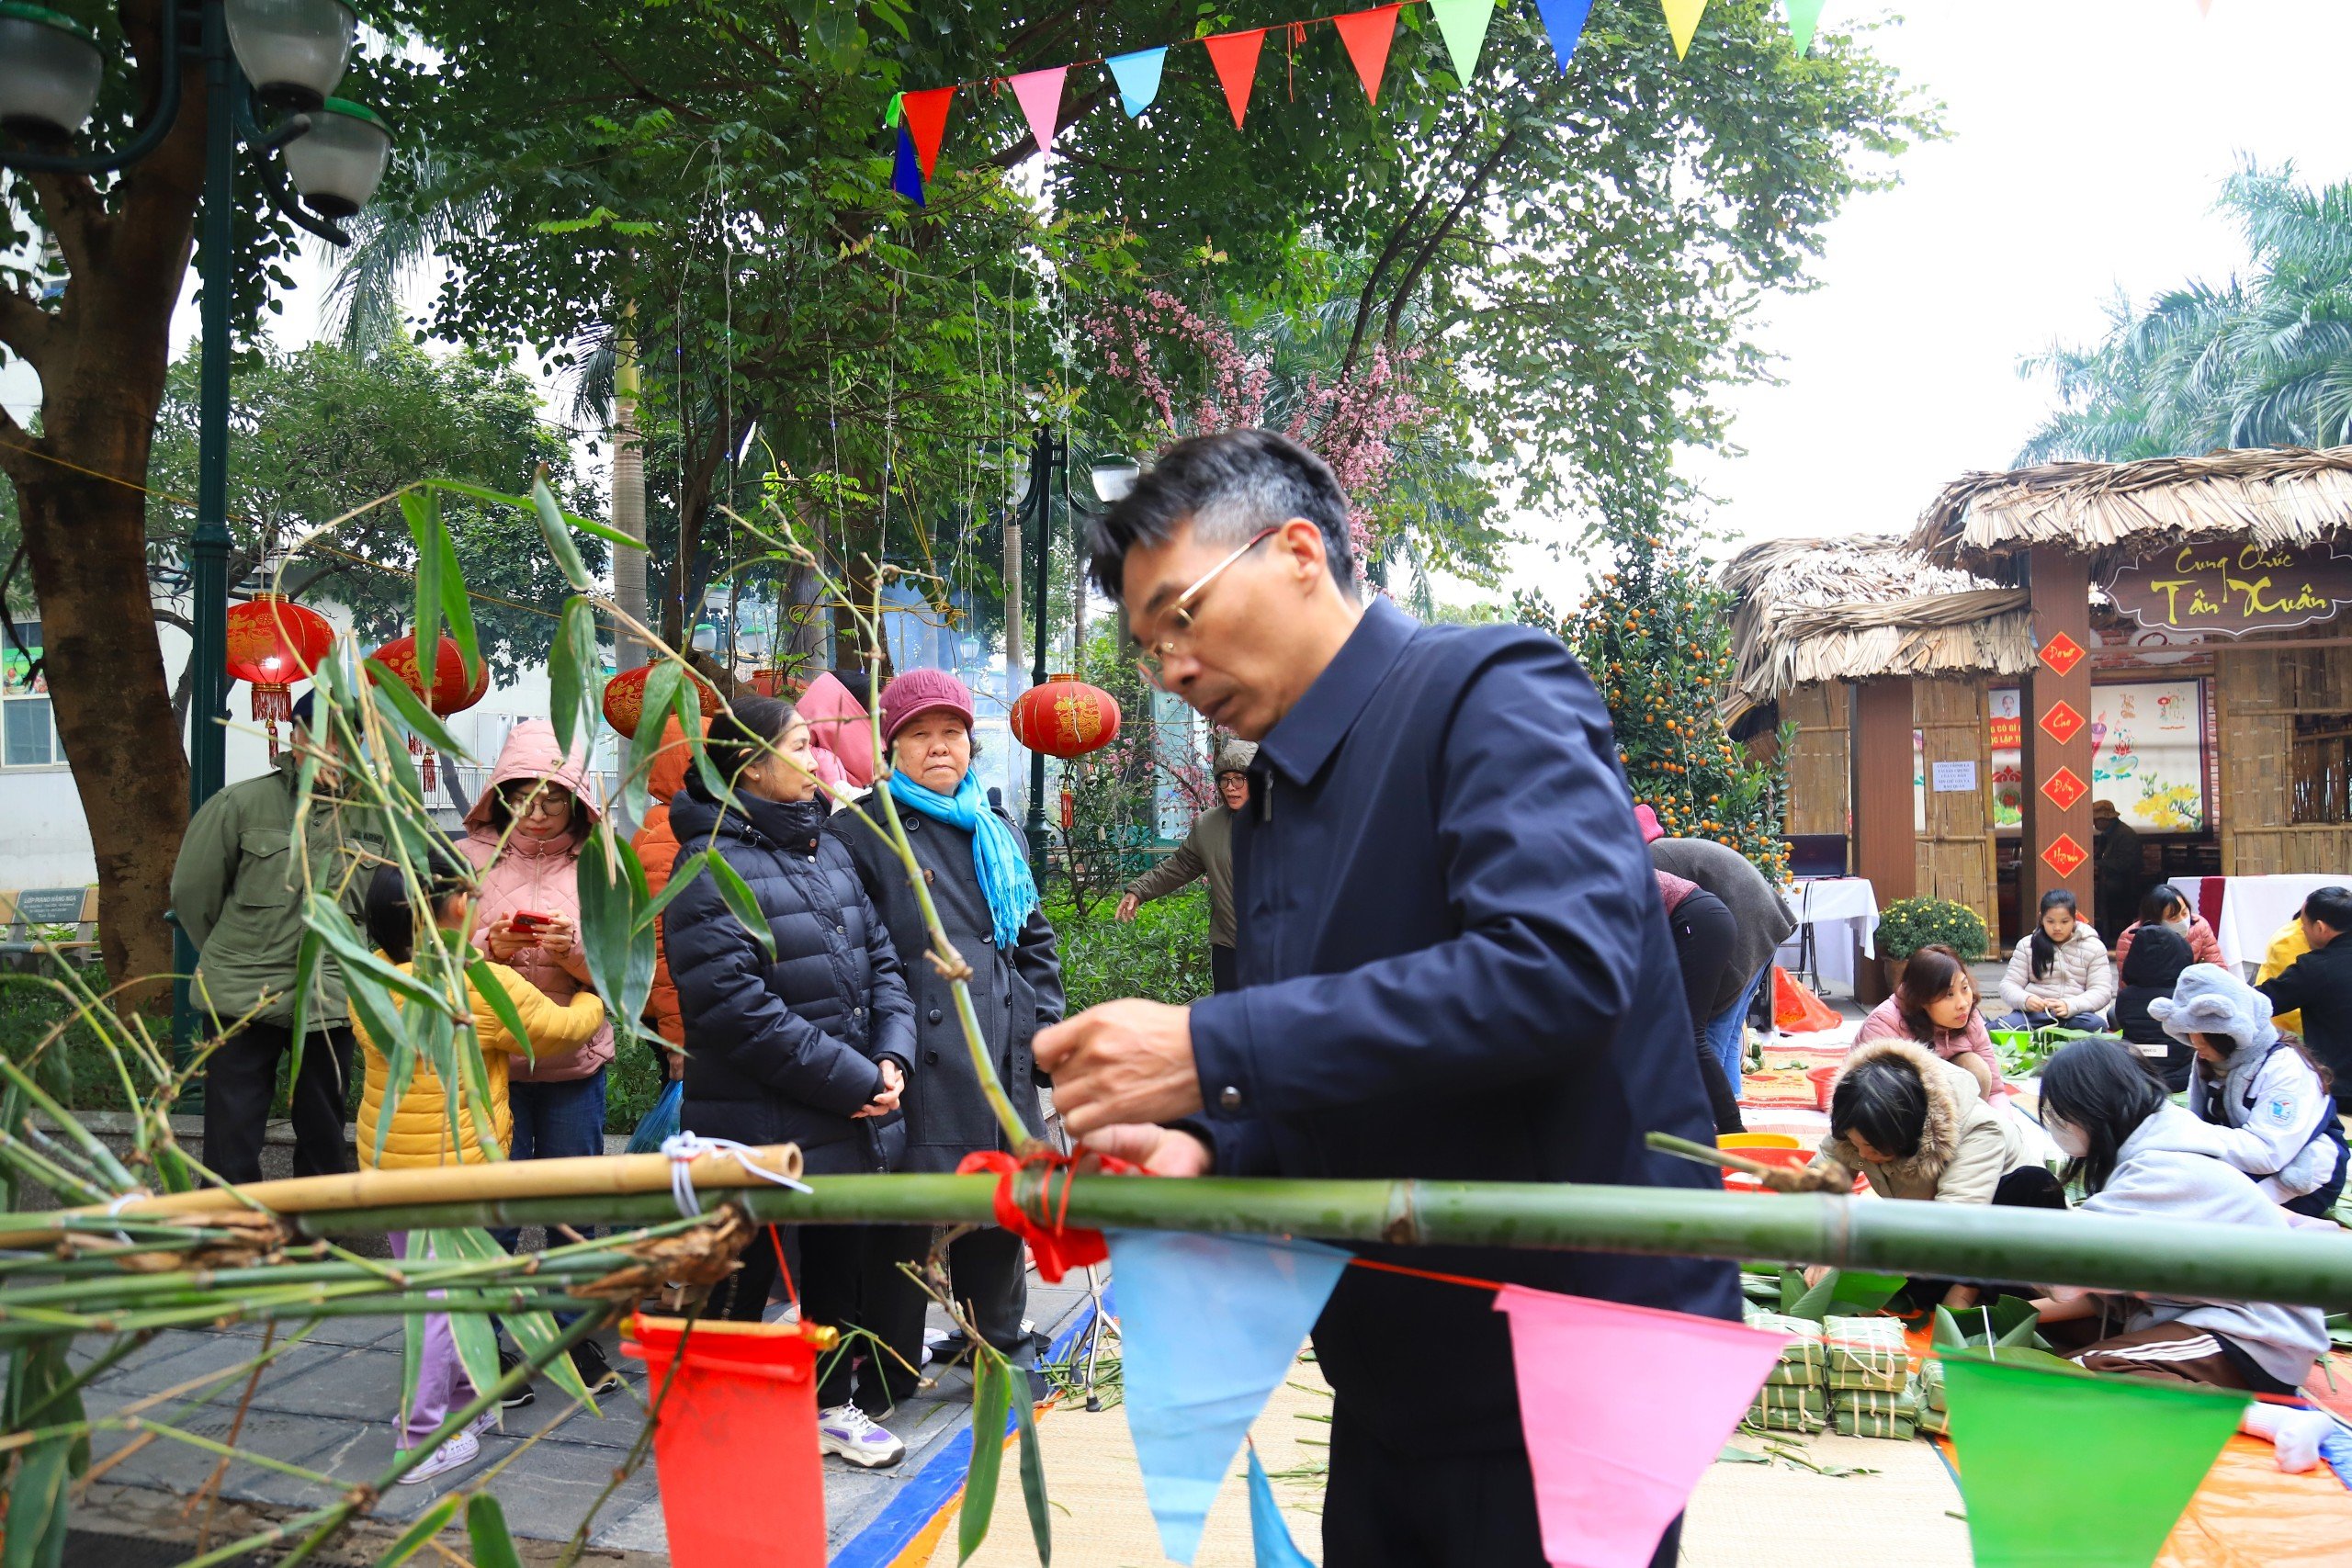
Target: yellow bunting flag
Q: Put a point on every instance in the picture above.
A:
(1682, 20)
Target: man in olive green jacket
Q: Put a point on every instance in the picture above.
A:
(1207, 851)
(237, 890)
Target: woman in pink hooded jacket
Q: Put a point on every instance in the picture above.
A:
(526, 831)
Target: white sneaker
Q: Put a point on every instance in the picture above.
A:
(454, 1454)
(850, 1432)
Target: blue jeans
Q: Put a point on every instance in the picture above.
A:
(555, 1120)
(1727, 1030)
(2088, 1022)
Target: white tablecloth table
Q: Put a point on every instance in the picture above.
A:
(1843, 913)
(2254, 907)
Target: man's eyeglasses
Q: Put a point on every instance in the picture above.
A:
(1176, 632)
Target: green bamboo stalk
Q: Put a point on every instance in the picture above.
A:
(1950, 1241)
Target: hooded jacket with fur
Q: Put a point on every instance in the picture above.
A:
(1965, 1146)
(539, 876)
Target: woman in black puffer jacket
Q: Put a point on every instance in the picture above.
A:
(811, 1044)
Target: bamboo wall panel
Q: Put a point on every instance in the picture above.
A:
(2258, 693)
(1817, 759)
(1956, 846)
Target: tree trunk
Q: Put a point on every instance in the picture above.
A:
(628, 498)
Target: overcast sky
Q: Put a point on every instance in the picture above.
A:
(2087, 139)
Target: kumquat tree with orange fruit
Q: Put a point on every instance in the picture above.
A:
(1655, 635)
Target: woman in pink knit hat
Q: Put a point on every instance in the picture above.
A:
(975, 866)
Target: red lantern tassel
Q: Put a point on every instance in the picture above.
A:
(273, 704)
(432, 776)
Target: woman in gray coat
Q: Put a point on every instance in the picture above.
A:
(976, 868)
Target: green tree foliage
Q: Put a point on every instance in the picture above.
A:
(319, 432)
(2261, 360)
(1654, 636)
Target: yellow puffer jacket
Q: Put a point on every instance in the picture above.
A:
(2287, 945)
(420, 1131)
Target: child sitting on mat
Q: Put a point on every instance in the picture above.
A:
(2137, 1153)
(420, 1135)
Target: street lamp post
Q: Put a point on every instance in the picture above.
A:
(290, 54)
(1113, 477)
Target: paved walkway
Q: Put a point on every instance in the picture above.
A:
(326, 1404)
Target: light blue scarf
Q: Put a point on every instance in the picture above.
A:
(996, 855)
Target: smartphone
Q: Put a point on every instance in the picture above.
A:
(524, 921)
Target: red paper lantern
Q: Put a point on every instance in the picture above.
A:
(625, 697)
(273, 642)
(1066, 717)
(449, 694)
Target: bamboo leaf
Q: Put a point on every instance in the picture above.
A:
(486, 985)
(1033, 1470)
(326, 918)
(660, 695)
(617, 946)
(422, 511)
(430, 1523)
(534, 1332)
(37, 1506)
(586, 525)
(557, 534)
(421, 720)
(306, 975)
(493, 1543)
(457, 605)
(568, 664)
(739, 897)
(991, 1393)
(411, 1349)
(681, 874)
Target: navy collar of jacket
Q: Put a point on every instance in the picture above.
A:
(770, 824)
(1304, 737)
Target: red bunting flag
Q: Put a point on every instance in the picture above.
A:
(1040, 92)
(925, 114)
(1235, 56)
(1367, 35)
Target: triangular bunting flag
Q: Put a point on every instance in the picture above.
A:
(926, 115)
(1137, 76)
(1367, 35)
(1269, 1535)
(906, 177)
(1464, 24)
(1624, 1408)
(1208, 1324)
(1040, 92)
(2059, 1466)
(1236, 57)
(1564, 24)
(890, 115)
(1804, 16)
(1681, 21)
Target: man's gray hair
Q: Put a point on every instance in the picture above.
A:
(1228, 486)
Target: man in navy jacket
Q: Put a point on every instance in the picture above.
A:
(1454, 964)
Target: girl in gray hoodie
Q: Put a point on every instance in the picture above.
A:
(2137, 1153)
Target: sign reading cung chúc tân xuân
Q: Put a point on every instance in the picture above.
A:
(2231, 588)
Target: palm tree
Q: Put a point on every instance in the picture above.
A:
(2266, 361)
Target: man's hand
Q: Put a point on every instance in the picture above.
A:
(1124, 1061)
(1128, 905)
(1159, 1150)
(893, 1083)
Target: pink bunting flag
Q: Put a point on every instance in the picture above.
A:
(1624, 1408)
(925, 114)
(1040, 92)
(1236, 58)
(1367, 35)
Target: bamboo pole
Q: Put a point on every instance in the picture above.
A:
(1952, 1241)
(585, 1177)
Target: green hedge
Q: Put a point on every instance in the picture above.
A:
(1163, 955)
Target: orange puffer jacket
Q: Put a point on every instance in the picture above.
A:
(657, 851)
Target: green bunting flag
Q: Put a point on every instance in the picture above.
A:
(1682, 21)
(890, 115)
(1462, 24)
(1803, 16)
(2077, 1469)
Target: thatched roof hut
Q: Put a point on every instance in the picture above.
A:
(1811, 611)
(2275, 495)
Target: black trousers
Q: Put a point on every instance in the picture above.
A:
(1390, 1508)
(1224, 969)
(2028, 1187)
(239, 1082)
(847, 1277)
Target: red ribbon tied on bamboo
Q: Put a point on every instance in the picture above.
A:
(1056, 1246)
